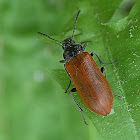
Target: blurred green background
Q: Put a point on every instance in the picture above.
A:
(33, 106)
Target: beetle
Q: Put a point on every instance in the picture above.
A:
(89, 81)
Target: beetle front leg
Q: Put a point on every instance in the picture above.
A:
(80, 109)
(86, 43)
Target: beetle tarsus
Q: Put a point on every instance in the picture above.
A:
(117, 96)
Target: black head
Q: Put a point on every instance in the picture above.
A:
(71, 49)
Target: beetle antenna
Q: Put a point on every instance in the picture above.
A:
(75, 24)
(50, 38)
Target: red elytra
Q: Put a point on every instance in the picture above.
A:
(91, 85)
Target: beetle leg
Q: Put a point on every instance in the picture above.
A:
(62, 61)
(100, 59)
(117, 96)
(70, 80)
(68, 87)
(103, 69)
(80, 109)
(86, 43)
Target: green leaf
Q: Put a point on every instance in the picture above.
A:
(32, 104)
(113, 41)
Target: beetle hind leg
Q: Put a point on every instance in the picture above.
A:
(80, 109)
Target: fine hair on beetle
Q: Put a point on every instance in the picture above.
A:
(89, 81)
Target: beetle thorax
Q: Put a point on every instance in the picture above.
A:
(71, 49)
